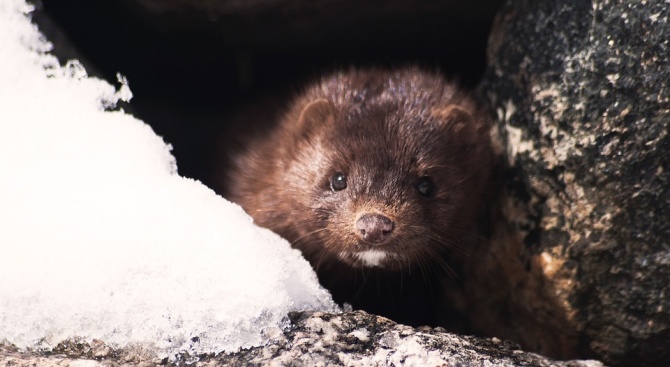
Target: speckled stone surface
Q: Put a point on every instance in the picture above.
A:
(582, 92)
(316, 339)
(361, 339)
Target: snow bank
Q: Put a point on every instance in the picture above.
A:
(100, 238)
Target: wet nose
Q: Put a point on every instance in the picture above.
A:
(374, 228)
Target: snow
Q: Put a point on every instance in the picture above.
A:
(99, 236)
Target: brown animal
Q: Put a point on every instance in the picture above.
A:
(382, 180)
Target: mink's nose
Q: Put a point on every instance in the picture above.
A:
(374, 228)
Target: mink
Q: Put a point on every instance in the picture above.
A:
(381, 178)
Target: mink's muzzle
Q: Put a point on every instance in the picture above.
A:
(374, 228)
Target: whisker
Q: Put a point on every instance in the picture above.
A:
(320, 260)
(308, 234)
(264, 210)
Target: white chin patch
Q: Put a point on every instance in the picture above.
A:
(371, 258)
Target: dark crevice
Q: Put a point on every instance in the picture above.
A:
(191, 71)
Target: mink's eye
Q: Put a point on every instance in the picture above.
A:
(425, 186)
(338, 182)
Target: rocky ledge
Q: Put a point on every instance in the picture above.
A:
(314, 339)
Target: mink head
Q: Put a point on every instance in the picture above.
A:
(374, 170)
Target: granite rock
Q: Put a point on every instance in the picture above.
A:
(582, 94)
(315, 339)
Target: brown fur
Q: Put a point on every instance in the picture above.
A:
(386, 131)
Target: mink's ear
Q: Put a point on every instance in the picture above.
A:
(458, 122)
(315, 113)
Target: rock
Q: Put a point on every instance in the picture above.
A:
(360, 339)
(582, 93)
(318, 339)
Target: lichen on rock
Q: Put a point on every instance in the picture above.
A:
(582, 91)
